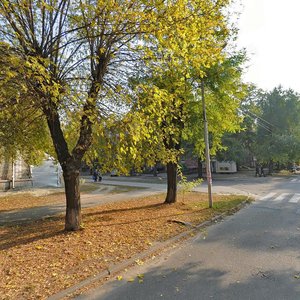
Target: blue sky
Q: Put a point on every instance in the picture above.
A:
(270, 31)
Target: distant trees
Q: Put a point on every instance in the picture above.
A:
(278, 132)
(270, 129)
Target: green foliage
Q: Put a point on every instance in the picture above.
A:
(270, 128)
(240, 146)
(187, 186)
(151, 129)
(278, 132)
(77, 59)
(224, 91)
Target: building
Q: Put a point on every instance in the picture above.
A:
(14, 174)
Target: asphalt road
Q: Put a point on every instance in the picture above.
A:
(253, 254)
(45, 175)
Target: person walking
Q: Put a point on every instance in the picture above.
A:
(262, 173)
(257, 173)
(95, 175)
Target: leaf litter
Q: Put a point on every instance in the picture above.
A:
(39, 259)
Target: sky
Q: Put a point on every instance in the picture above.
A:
(270, 31)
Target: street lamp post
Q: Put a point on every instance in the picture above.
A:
(207, 156)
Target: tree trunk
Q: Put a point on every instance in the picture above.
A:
(172, 183)
(72, 190)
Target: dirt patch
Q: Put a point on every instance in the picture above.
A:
(39, 259)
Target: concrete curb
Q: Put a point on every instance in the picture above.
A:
(140, 256)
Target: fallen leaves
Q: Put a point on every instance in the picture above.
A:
(38, 258)
(39, 247)
(139, 262)
(28, 200)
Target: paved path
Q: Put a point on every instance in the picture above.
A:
(251, 255)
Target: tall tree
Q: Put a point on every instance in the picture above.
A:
(165, 100)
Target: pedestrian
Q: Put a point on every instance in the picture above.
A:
(262, 173)
(95, 175)
(257, 171)
(99, 176)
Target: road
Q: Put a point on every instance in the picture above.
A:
(45, 175)
(253, 254)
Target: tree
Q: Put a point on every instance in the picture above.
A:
(78, 55)
(240, 146)
(270, 129)
(165, 97)
(224, 91)
(278, 128)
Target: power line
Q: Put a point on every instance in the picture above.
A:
(258, 122)
(258, 117)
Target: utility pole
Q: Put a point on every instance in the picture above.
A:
(207, 156)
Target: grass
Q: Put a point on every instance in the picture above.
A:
(39, 259)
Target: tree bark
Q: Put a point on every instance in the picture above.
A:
(71, 169)
(72, 190)
(172, 183)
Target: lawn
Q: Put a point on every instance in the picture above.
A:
(39, 259)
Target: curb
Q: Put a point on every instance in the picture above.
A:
(143, 255)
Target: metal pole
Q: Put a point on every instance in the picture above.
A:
(207, 156)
